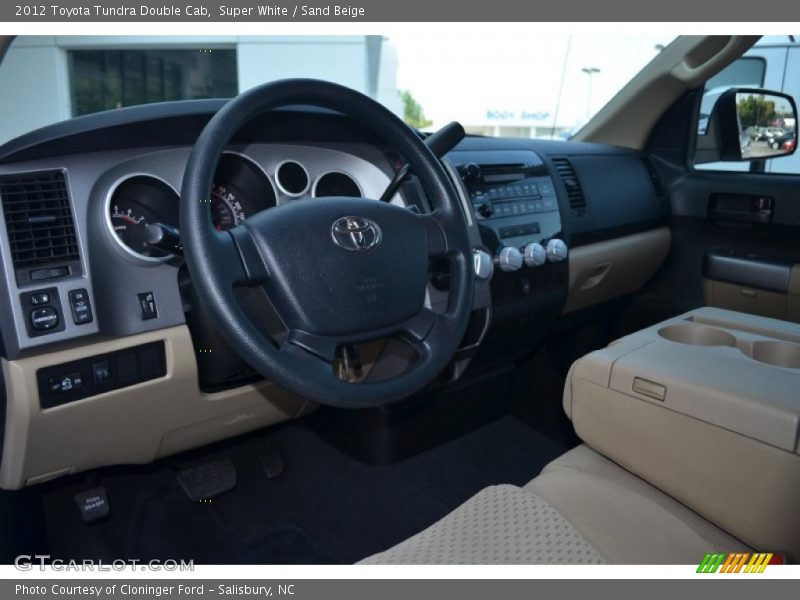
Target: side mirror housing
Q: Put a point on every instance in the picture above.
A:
(748, 124)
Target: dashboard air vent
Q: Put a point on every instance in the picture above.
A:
(565, 170)
(38, 219)
(655, 177)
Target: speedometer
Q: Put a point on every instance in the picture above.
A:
(226, 209)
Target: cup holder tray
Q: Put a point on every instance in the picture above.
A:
(770, 352)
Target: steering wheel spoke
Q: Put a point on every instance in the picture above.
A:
(242, 263)
(437, 243)
(418, 328)
(301, 343)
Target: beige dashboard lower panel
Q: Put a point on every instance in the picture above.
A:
(612, 268)
(133, 425)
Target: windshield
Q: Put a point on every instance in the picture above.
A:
(516, 85)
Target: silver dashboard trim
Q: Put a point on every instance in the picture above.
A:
(13, 319)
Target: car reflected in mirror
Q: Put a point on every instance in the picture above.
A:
(767, 125)
(745, 124)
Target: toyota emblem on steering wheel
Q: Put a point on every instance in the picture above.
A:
(356, 233)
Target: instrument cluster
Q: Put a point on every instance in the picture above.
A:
(240, 189)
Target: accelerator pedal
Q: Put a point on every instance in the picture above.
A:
(271, 461)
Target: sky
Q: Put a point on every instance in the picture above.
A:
(454, 76)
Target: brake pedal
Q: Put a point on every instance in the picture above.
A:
(93, 504)
(271, 461)
(209, 480)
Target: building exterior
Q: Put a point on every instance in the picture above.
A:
(46, 79)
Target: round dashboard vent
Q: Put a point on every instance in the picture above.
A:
(336, 183)
(292, 178)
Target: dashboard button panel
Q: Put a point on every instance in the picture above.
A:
(76, 380)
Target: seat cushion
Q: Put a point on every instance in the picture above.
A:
(582, 509)
(625, 518)
(502, 524)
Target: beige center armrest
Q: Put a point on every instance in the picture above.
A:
(705, 406)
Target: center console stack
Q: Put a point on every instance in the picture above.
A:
(704, 406)
(514, 203)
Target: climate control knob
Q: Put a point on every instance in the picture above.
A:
(509, 259)
(556, 250)
(534, 254)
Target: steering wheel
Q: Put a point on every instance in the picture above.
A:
(338, 272)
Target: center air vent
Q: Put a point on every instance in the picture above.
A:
(39, 220)
(565, 170)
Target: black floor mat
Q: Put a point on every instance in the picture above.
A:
(325, 508)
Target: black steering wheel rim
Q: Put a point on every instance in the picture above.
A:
(218, 261)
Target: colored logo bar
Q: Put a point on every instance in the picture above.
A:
(738, 562)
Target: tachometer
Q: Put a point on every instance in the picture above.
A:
(226, 208)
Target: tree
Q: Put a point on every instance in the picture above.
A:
(756, 111)
(413, 114)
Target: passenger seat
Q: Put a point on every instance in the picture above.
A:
(582, 509)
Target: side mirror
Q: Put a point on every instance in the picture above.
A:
(748, 124)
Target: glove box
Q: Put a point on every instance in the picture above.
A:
(706, 407)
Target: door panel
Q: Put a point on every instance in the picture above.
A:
(686, 281)
(751, 214)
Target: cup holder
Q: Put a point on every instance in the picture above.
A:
(778, 354)
(697, 335)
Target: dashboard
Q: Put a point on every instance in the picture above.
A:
(526, 203)
(92, 313)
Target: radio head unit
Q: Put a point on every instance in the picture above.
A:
(514, 202)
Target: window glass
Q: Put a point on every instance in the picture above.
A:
(106, 79)
(547, 85)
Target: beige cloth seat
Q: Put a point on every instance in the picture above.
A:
(582, 509)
